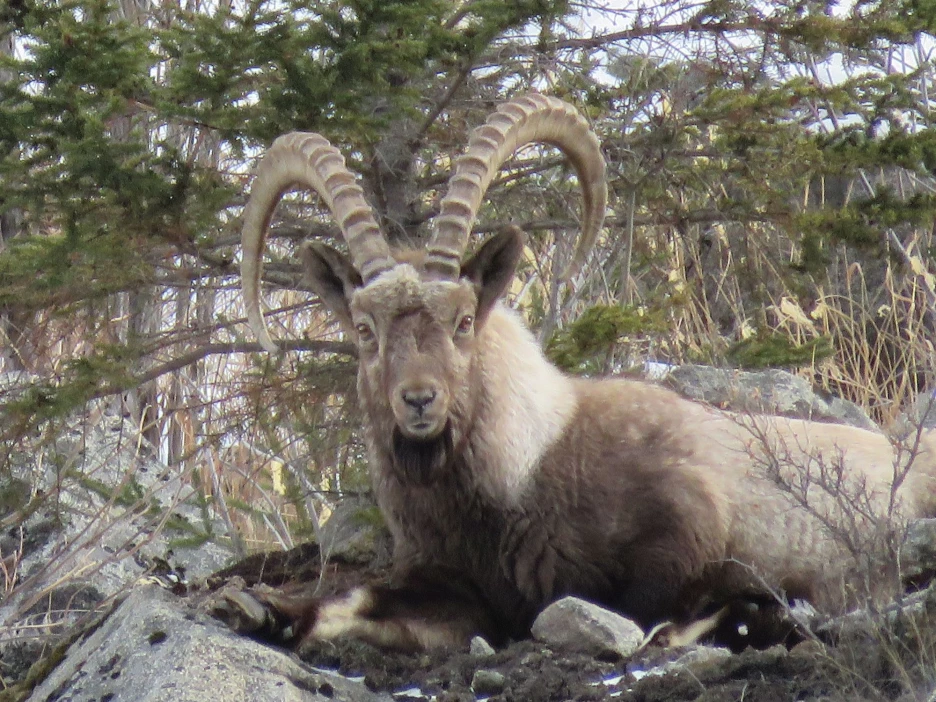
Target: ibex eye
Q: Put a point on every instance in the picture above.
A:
(364, 331)
(465, 324)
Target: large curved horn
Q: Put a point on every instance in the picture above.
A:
(531, 118)
(308, 160)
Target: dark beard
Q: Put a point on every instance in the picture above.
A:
(422, 461)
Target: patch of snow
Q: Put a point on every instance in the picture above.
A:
(654, 370)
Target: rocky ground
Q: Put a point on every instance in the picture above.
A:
(81, 620)
(887, 656)
(531, 672)
(159, 646)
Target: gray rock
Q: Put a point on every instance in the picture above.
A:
(925, 407)
(487, 682)
(922, 413)
(586, 627)
(357, 532)
(481, 648)
(910, 613)
(918, 551)
(155, 648)
(692, 658)
(107, 515)
(770, 391)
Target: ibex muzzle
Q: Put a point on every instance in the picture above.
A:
(419, 358)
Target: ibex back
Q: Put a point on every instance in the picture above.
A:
(506, 483)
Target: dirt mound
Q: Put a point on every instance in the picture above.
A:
(529, 672)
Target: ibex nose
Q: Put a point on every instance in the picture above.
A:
(420, 398)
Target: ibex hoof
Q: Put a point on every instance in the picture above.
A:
(249, 613)
(243, 612)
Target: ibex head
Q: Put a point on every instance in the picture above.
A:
(418, 317)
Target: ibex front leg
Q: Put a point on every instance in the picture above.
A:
(426, 611)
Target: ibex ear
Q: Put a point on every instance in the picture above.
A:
(332, 277)
(493, 266)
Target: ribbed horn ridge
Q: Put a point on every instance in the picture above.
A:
(307, 160)
(524, 120)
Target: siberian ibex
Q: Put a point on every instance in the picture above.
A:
(507, 483)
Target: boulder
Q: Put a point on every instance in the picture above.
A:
(155, 647)
(582, 626)
(93, 513)
(769, 391)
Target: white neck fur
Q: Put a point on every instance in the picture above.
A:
(527, 405)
